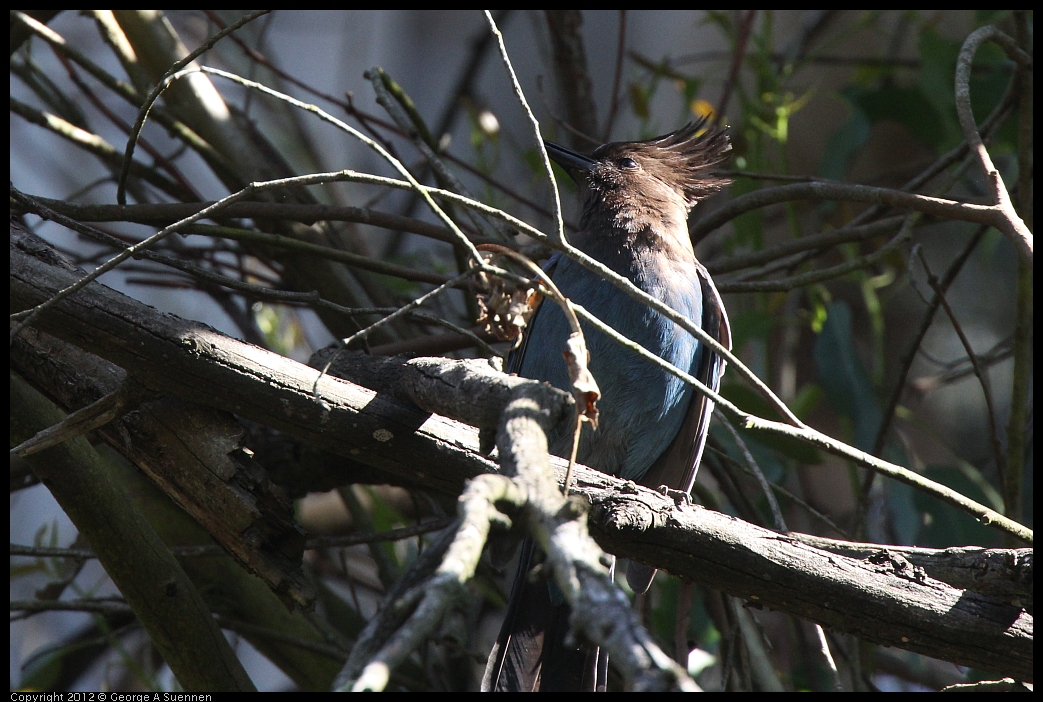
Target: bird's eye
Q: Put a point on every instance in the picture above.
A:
(627, 164)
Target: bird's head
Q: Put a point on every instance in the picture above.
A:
(636, 184)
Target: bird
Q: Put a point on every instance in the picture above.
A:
(636, 197)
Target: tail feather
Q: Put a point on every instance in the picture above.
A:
(531, 653)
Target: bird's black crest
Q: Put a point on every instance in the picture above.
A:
(683, 158)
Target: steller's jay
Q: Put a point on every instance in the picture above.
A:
(652, 427)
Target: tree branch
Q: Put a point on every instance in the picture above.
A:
(193, 362)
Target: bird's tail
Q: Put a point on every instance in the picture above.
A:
(531, 653)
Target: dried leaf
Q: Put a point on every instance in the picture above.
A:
(584, 387)
(504, 308)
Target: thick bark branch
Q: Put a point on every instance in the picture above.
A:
(196, 363)
(880, 599)
(193, 452)
(883, 598)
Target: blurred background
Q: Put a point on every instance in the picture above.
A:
(852, 96)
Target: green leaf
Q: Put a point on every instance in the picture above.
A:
(844, 144)
(639, 100)
(844, 378)
(806, 400)
(751, 324)
(906, 105)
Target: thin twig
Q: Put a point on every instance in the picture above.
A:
(25, 317)
(940, 164)
(535, 125)
(618, 77)
(216, 549)
(127, 93)
(815, 242)
(1010, 223)
(780, 525)
(325, 116)
(783, 492)
(169, 77)
(99, 147)
(363, 333)
(804, 279)
(979, 370)
(838, 448)
(1018, 425)
(847, 192)
(305, 213)
(906, 362)
(751, 465)
(582, 395)
(738, 53)
(402, 110)
(823, 647)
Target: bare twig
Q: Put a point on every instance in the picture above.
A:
(618, 76)
(738, 53)
(804, 279)
(826, 521)
(26, 317)
(823, 645)
(325, 116)
(218, 550)
(979, 370)
(569, 60)
(1021, 384)
(560, 236)
(1009, 222)
(305, 213)
(906, 362)
(402, 110)
(125, 92)
(780, 524)
(99, 147)
(961, 150)
(815, 438)
(171, 75)
(752, 467)
(584, 386)
(78, 423)
(937, 207)
(815, 242)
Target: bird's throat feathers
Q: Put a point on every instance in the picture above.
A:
(620, 231)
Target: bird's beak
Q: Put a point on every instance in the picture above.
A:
(576, 165)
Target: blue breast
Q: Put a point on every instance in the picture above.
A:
(642, 407)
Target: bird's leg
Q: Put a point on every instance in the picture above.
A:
(678, 496)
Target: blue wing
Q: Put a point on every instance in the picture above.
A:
(677, 466)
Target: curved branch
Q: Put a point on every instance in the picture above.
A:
(817, 276)
(520, 94)
(1008, 222)
(305, 213)
(822, 240)
(820, 440)
(172, 74)
(934, 206)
